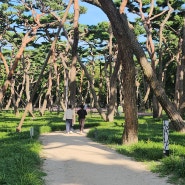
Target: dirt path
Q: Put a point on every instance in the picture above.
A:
(75, 160)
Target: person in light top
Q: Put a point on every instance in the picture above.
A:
(69, 117)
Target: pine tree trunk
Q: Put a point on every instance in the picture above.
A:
(72, 85)
(48, 94)
(182, 103)
(130, 134)
(113, 90)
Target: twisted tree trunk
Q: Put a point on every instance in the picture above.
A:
(125, 35)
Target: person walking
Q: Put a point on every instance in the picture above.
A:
(69, 117)
(120, 110)
(81, 117)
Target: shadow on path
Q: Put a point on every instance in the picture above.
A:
(76, 160)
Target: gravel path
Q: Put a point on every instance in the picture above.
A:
(76, 160)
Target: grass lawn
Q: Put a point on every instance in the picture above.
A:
(20, 160)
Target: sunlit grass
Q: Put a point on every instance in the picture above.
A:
(20, 160)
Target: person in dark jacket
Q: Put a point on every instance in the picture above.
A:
(81, 117)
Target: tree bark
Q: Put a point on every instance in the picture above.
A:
(130, 133)
(182, 103)
(5, 63)
(72, 85)
(113, 90)
(48, 94)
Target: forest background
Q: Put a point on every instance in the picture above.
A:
(49, 60)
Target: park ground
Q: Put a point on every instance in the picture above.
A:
(74, 159)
